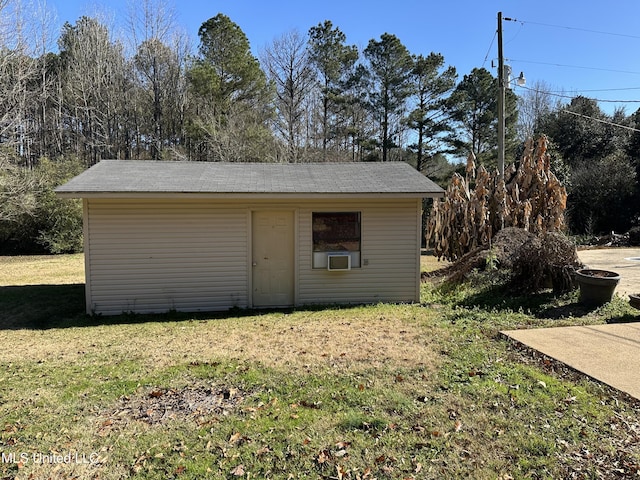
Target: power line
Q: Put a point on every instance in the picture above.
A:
(489, 49)
(561, 95)
(600, 121)
(575, 66)
(575, 28)
(611, 89)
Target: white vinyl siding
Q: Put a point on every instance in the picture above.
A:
(389, 257)
(156, 256)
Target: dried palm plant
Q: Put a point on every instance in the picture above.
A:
(528, 197)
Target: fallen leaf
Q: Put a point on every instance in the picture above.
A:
(458, 425)
(323, 456)
(156, 394)
(180, 470)
(238, 471)
(542, 384)
(263, 451)
(235, 438)
(361, 387)
(343, 445)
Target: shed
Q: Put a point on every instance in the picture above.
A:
(206, 236)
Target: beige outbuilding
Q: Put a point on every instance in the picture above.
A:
(206, 236)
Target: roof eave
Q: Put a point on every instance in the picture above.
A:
(248, 195)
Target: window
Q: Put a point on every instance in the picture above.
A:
(336, 232)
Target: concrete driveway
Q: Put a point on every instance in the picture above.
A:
(608, 353)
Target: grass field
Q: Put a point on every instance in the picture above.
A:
(384, 391)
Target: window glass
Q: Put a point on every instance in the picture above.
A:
(336, 232)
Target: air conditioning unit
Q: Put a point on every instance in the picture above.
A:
(338, 262)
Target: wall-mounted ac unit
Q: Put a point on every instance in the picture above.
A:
(338, 262)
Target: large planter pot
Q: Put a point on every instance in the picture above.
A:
(634, 300)
(596, 286)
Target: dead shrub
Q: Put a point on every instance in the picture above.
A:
(546, 261)
(529, 263)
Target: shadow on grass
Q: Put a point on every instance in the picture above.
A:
(543, 305)
(41, 307)
(627, 318)
(547, 305)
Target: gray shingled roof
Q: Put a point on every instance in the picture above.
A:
(157, 177)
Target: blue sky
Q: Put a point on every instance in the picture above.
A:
(556, 42)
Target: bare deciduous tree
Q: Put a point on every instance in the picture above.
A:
(287, 65)
(533, 104)
(161, 52)
(17, 69)
(93, 71)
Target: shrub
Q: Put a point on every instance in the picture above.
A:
(600, 199)
(545, 261)
(32, 218)
(60, 219)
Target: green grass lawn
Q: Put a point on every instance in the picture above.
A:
(370, 392)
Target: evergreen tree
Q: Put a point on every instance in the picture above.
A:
(576, 131)
(473, 106)
(428, 118)
(390, 67)
(226, 69)
(232, 98)
(334, 61)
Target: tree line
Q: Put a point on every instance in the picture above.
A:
(304, 97)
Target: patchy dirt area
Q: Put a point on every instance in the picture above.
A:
(157, 406)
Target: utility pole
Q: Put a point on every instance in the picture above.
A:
(501, 95)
